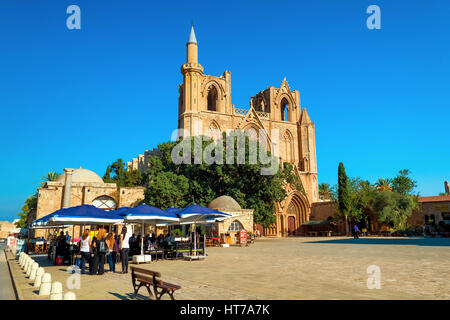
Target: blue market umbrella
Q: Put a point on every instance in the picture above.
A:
(84, 214)
(121, 211)
(199, 214)
(148, 214)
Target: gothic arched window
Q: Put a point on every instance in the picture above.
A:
(284, 110)
(212, 98)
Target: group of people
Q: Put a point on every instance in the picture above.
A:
(104, 247)
(109, 247)
(150, 242)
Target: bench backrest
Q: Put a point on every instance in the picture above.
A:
(145, 274)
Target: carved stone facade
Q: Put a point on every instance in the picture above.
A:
(205, 108)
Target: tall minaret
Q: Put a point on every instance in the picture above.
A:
(190, 89)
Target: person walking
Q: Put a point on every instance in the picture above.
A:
(111, 257)
(356, 231)
(85, 251)
(99, 249)
(125, 248)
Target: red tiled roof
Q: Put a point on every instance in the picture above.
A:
(434, 199)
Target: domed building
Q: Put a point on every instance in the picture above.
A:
(82, 186)
(241, 219)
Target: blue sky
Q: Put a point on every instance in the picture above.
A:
(72, 98)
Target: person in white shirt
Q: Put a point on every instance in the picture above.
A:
(125, 248)
(85, 250)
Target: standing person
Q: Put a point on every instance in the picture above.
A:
(61, 244)
(110, 242)
(99, 249)
(356, 231)
(117, 246)
(85, 251)
(68, 237)
(125, 245)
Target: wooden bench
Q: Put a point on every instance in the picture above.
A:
(147, 278)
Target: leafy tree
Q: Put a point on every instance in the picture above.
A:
(117, 173)
(29, 206)
(171, 184)
(168, 189)
(343, 195)
(361, 194)
(403, 184)
(394, 208)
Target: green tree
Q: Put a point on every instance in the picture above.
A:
(50, 176)
(324, 191)
(402, 183)
(118, 173)
(168, 189)
(29, 206)
(244, 182)
(383, 184)
(343, 195)
(394, 208)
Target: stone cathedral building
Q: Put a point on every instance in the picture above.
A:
(205, 107)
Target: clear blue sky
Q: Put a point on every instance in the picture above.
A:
(70, 98)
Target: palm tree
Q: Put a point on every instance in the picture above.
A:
(324, 191)
(50, 176)
(383, 184)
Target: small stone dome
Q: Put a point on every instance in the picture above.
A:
(224, 203)
(81, 176)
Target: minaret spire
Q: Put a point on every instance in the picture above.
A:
(192, 38)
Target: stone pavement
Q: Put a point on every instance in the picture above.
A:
(284, 268)
(6, 287)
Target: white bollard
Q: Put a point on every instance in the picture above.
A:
(34, 269)
(38, 279)
(20, 257)
(26, 265)
(46, 284)
(30, 268)
(56, 293)
(24, 261)
(70, 296)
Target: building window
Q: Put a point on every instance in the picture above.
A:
(426, 219)
(105, 203)
(432, 219)
(284, 110)
(235, 226)
(212, 98)
(446, 216)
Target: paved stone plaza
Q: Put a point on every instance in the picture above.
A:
(285, 268)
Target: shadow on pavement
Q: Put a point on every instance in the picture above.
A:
(431, 242)
(129, 296)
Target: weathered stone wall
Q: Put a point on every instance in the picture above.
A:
(50, 199)
(322, 210)
(5, 227)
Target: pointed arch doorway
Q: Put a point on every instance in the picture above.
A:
(291, 226)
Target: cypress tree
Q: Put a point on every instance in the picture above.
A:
(343, 194)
